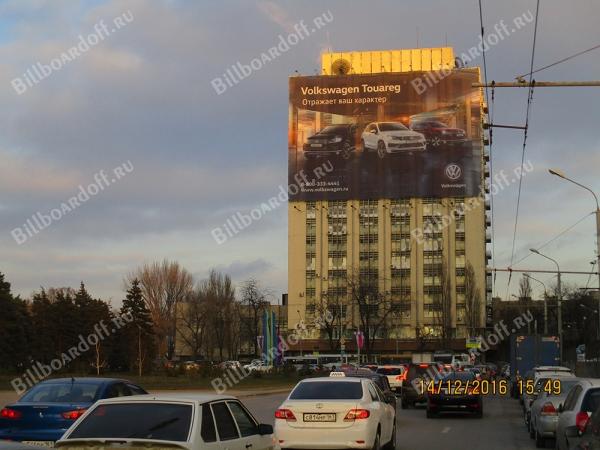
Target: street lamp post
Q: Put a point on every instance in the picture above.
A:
(560, 331)
(560, 174)
(545, 301)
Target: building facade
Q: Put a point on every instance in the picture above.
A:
(413, 254)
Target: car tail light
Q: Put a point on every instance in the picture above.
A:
(285, 414)
(357, 414)
(73, 415)
(7, 413)
(548, 410)
(424, 365)
(581, 420)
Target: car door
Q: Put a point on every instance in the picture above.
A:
(567, 416)
(228, 435)
(378, 407)
(208, 429)
(390, 410)
(248, 428)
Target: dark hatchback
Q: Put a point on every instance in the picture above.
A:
(380, 380)
(333, 140)
(439, 134)
(451, 392)
(43, 414)
(416, 377)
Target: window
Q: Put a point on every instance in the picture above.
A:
(373, 393)
(225, 423)
(207, 431)
(327, 390)
(591, 401)
(160, 421)
(136, 390)
(68, 392)
(572, 398)
(117, 390)
(245, 423)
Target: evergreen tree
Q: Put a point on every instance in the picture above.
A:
(14, 325)
(139, 331)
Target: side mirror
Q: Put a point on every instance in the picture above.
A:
(264, 428)
(560, 408)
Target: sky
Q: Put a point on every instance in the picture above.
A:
(142, 97)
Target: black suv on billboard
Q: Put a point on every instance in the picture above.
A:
(438, 133)
(338, 140)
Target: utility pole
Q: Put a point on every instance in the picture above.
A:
(545, 302)
(525, 84)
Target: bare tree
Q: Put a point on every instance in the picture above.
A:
(442, 307)
(329, 318)
(374, 307)
(525, 288)
(253, 303)
(164, 284)
(220, 296)
(192, 319)
(472, 301)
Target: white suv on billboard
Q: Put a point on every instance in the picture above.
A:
(391, 137)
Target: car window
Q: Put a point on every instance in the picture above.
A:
(572, 398)
(373, 392)
(207, 430)
(136, 390)
(117, 390)
(244, 421)
(145, 420)
(327, 390)
(390, 371)
(67, 392)
(370, 128)
(380, 393)
(225, 423)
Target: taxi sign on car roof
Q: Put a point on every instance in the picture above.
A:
(337, 374)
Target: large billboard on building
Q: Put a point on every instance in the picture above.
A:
(385, 135)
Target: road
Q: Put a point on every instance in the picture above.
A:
(501, 428)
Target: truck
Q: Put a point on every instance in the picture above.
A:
(529, 351)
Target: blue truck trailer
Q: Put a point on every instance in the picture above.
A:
(529, 351)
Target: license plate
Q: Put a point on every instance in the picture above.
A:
(316, 145)
(40, 443)
(319, 417)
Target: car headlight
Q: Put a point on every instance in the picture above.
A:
(445, 132)
(335, 140)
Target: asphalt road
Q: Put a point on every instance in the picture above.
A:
(501, 427)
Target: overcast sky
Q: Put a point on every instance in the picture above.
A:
(143, 94)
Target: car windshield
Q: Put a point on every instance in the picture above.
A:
(444, 359)
(390, 371)
(460, 376)
(324, 390)
(67, 392)
(161, 421)
(391, 126)
(334, 129)
(437, 124)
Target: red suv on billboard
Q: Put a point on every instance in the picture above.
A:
(439, 134)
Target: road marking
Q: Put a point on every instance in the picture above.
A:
(445, 430)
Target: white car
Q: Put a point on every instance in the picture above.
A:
(258, 365)
(155, 422)
(391, 137)
(335, 413)
(395, 373)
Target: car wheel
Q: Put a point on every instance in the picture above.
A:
(540, 442)
(377, 444)
(392, 444)
(381, 149)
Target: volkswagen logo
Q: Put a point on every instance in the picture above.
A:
(453, 171)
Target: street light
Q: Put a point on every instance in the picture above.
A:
(560, 174)
(560, 333)
(545, 301)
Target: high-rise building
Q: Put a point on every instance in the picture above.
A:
(412, 269)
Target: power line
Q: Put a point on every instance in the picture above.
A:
(566, 230)
(528, 110)
(558, 62)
